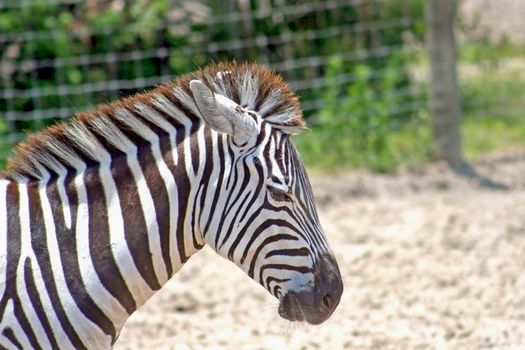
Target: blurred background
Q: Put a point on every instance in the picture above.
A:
(361, 67)
(430, 259)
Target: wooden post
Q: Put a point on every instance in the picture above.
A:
(443, 98)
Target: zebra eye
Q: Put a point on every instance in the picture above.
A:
(280, 195)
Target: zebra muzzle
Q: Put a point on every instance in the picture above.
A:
(315, 305)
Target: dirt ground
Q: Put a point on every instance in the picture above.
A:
(430, 260)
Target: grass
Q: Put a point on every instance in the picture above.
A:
(494, 108)
(487, 134)
(408, 146)
(493, 118)
(411, 145)
(488, 53)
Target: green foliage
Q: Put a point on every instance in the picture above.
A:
(359, 126)
(492, 89)
(489, 56)
(363, 123)
(111, 32)
(492, 132)
(4, 148)
(493, 104)
(486, 90)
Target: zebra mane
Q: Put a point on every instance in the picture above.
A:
(171, 105)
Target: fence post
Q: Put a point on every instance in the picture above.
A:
(443, 98)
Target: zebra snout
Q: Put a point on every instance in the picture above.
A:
(315, 305)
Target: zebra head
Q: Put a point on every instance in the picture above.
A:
(268, 222)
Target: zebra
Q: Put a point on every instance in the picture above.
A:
(99, 211)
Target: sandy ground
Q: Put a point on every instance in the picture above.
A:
(430, 260)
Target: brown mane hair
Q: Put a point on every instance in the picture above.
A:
(251, 85)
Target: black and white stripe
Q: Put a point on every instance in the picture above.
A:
(98, 213)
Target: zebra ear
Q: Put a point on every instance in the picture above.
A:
(222, 114)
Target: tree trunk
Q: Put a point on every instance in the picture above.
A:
(443, 99)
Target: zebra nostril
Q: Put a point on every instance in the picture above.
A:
(327, 301)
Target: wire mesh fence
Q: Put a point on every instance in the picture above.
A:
(81, 53)
(491, 73)
(62, 56)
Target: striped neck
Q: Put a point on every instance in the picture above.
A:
(120, 228)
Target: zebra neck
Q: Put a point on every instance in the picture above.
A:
(102, 240)
(141, 212)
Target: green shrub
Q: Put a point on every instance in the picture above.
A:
(359, 125)
(104, 30)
